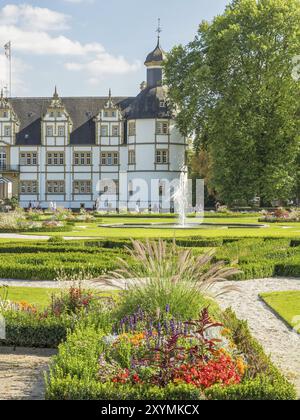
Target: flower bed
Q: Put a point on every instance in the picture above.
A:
(27, 326)
(165, 360)
(280, 215)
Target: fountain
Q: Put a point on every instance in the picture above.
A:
(181, 197)
(181, 201)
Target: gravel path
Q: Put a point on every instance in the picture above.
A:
(22, 373)
(52, 284)
(277, 339)
(41, 238)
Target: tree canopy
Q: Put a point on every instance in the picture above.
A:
(232, 89)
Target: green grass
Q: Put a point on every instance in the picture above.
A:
(41, 297)
(276, 230)
(286, 305)
(36, 296)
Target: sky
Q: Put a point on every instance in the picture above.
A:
(86, 47)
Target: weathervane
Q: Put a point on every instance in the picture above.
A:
(159, 29)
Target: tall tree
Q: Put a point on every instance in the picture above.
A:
(232, 88)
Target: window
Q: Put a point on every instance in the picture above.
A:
(55, 187)
(28, 158)
(110, 159)
(162, 127)
(55, 158)
(7, 131)
(28, 187)
(162, 156)
(110, 114)
(82, 187)
(132, 128)
(104, 130)
(49, 131)
(162, 104)
(61, 131)
(115, 130)
(131, 157)
(5, 115)
(82, 158)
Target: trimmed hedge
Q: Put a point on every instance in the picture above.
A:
(25, 330)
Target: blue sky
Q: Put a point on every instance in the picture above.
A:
(88, 46)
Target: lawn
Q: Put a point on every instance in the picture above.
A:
(39, 297)
(286, 305)
(35, 296)
(82, 229)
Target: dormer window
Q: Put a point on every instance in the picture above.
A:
(115, 130)
(5, 115)
(105, 114)
(49, 131)
(61, 130)
(104, 130)
(7, 131)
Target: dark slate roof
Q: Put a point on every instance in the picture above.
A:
(147, 104)
(157, 55)
(82, 111)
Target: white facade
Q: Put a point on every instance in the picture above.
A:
(141, 154)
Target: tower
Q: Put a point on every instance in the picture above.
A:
(154, 63)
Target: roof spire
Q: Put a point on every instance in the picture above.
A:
(55, 95)
(159, 31)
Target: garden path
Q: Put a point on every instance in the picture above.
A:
(22, 373)
(278, 340)
(40, 237)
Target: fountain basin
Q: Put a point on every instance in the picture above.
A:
(187, 226)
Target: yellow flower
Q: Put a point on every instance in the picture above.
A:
(241, 366)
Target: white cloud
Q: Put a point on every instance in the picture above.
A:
(33, 18)
(42, 43)
(30, 29)
(104, 63)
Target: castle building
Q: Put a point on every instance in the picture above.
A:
(69, 150)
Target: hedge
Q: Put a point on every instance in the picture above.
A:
(45, 265)
(25, 330)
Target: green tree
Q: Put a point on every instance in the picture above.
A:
(232, 89)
